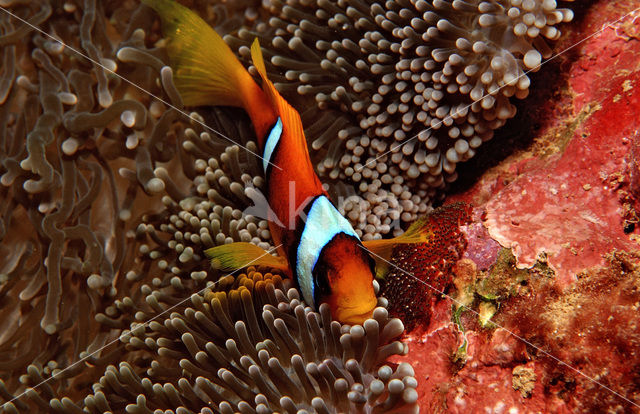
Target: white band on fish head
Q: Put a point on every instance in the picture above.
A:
(272, 142)
(323, 223)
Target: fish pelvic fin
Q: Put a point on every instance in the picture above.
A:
(205, 70)
(230, 257)
(382, 249)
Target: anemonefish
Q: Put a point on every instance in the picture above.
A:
(318, 247)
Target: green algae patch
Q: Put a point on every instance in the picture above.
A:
(503, 280)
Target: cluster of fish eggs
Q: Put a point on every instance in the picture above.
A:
(406, 89)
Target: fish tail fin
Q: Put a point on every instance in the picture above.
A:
(229, 257)
(206, 71)
(419, 232)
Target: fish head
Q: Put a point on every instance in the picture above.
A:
(344, 280)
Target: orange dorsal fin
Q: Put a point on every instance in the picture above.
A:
(290, 117)
(258, 60)
(205, 70)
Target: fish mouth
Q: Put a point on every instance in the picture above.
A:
(356, 315)
(356, 319)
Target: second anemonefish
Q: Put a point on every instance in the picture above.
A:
(320, 249)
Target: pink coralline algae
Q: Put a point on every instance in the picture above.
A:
(482, 249)
(545, 350)
(571, 197)
(567, 200)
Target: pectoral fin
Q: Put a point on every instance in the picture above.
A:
(229, 257)
(380, 252)
(381, 249)
(418, 232)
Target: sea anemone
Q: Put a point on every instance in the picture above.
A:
(244, 342)
(248, 343)
(409, 88)
(65, 225)
(212, 212)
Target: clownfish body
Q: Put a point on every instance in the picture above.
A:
(318, 247)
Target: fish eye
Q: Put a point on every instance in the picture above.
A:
(322, 288)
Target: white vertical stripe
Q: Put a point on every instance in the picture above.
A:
(270, 145)
(324, 221)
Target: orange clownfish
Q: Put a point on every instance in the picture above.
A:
(320, 250)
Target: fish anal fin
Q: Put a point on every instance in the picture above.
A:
(230, 257)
